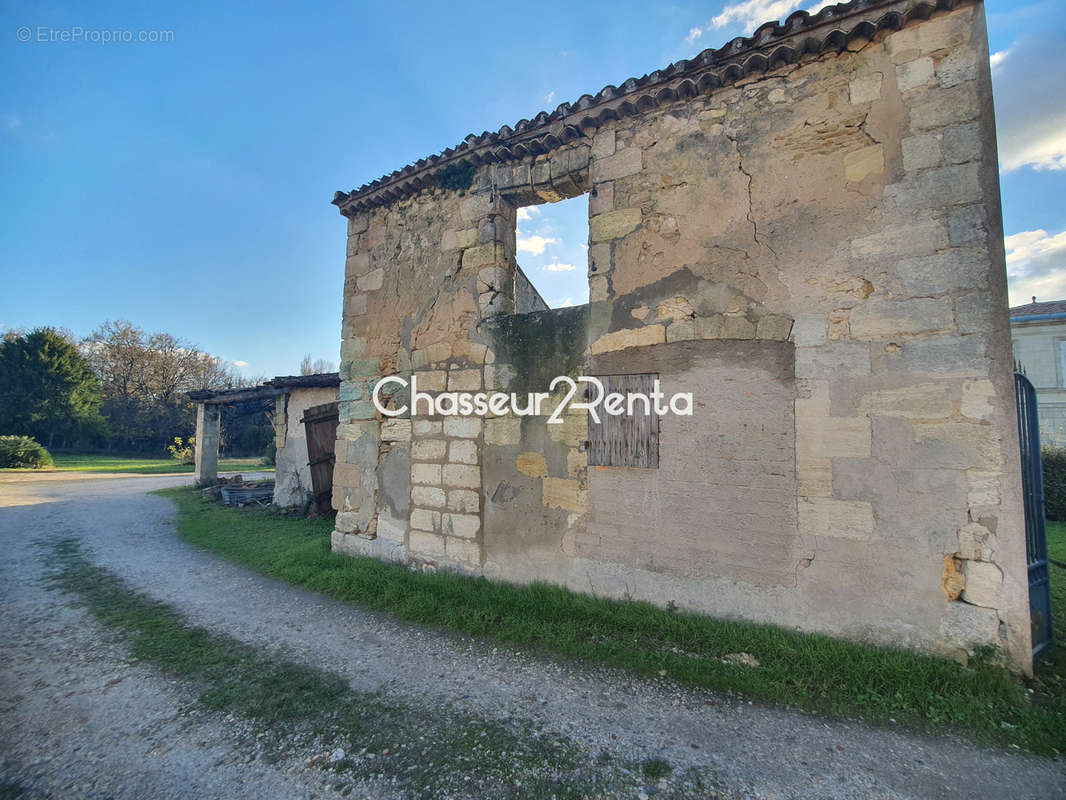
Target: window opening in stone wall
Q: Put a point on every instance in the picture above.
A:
(552, 253)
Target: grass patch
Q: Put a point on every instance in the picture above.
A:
(656, 768)
(147, 466)
(808, 671)
(1050, 679)
(429, 751)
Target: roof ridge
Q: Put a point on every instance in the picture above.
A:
(1044, 306)
(738, 58)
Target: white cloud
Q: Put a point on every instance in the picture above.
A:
(819, 6)
(1036, 265)
(1030, 107)
(534, 244)
(998, 58)
(1027, 245)
(752, 13)
(1046, 151)
(527, 213)
(240, 363)
(567, 303)
(549, 98)
(555, 266)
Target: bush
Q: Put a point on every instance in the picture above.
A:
(23, 452)
(183, 451)
(1054, 459)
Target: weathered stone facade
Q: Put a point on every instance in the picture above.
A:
(803, 229)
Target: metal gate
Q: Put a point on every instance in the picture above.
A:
(320, 423)
(1035, 534)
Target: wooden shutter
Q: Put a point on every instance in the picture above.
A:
(625, 441)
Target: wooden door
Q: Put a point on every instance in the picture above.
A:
(320, 423)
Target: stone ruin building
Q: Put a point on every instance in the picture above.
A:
(803, 230)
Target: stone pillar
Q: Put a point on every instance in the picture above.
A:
(281, 422)
(207, 429)
(489, 249)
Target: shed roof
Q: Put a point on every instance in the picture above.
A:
(276, 386)
(318, 380)
(771, 46)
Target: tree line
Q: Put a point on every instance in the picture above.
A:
(119, 388)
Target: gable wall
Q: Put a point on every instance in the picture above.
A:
(816, 253)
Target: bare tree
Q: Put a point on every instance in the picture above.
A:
(310, 366)
(116, 352)
(145, 380)
(153, 367)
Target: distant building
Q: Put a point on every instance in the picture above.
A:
(1038, 333)
(293, 396)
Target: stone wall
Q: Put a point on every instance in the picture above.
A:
(292, 485)
(815, 251)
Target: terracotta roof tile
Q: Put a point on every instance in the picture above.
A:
(773, 44)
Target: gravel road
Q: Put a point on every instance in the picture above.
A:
(79, 718)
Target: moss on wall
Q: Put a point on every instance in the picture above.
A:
(456, 177)
(540, 345)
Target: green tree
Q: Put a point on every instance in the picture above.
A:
(47, 388)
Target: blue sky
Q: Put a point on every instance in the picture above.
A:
(552, 245)
(185, 184)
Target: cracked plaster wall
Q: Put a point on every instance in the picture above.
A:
(292, 481)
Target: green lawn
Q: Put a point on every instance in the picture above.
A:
(147, 466)
(1056, 543)
(1051, 672)
(807, 671)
